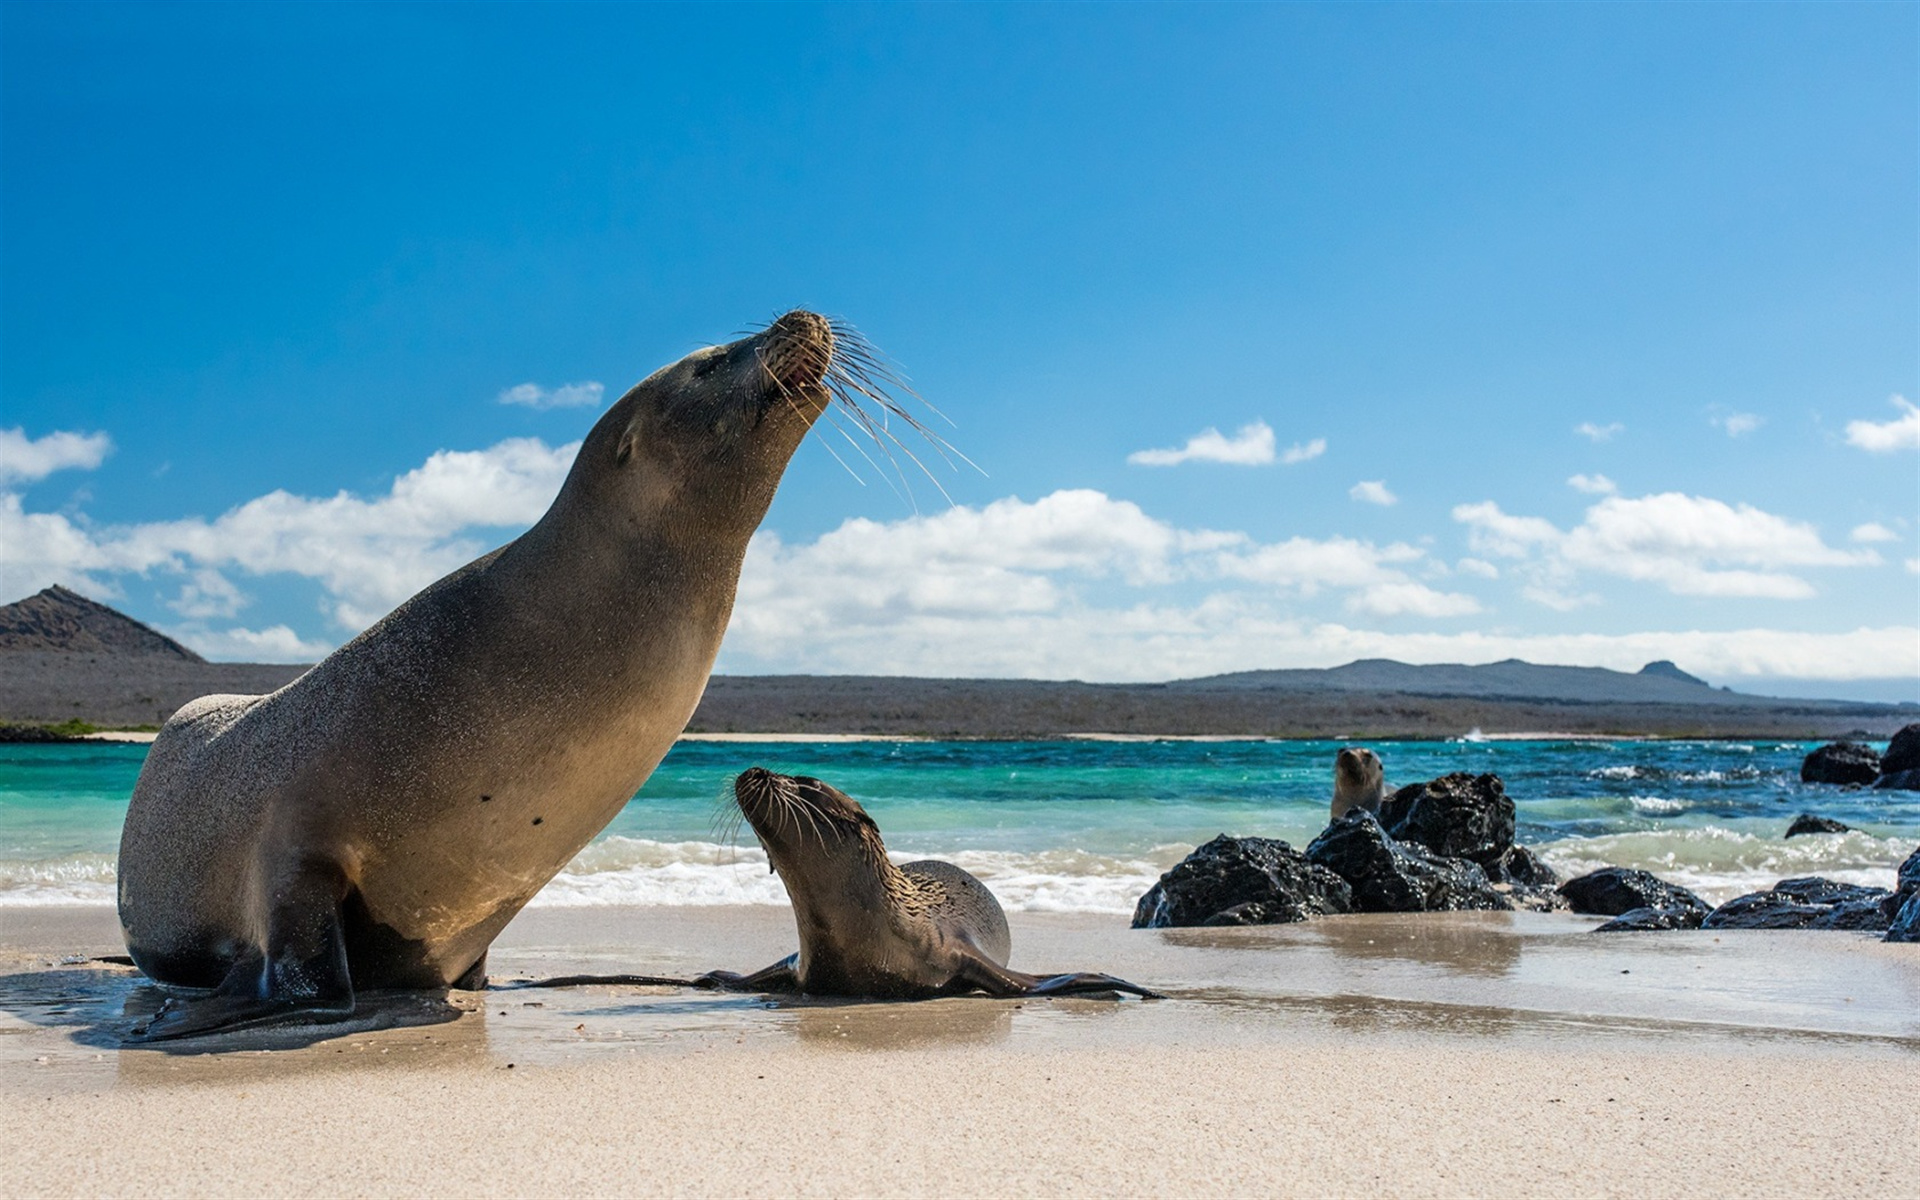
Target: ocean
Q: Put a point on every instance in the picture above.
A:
(1085, 826)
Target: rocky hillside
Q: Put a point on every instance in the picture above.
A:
(63, 621)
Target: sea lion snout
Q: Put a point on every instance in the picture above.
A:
(798, 349)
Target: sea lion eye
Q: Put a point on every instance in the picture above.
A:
(705, 366)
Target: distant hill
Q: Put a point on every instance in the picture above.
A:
(1656, 683)
(65, 621)
(63, 656)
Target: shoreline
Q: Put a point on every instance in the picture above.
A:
(1450, 1054)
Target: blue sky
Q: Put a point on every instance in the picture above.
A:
(266, 273)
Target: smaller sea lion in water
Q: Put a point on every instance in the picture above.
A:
(1358, 781)
(870, 928)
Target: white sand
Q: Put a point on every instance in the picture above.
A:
(1477, 1055)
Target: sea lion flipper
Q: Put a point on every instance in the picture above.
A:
(302, 977)
(980, 973)
(783, 976)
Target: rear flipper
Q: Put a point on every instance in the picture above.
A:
(783, 976)
(983, 974)
(301, 979)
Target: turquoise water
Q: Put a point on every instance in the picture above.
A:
(1084, 825)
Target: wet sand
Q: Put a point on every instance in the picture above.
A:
(1485, 1054)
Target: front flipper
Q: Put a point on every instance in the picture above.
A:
(783, 976)
(980, 973)
(301, 979)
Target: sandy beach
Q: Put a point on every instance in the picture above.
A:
(1482, 1054)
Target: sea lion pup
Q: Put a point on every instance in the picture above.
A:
(870, 928)
(375, 823)
(1358, 781)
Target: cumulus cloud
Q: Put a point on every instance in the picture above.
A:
(1873, 531)
(1252, 446)
(368, 553)
(274, 644)
(1598, 433)
(567, 395)
(1372, 491)
(1300, 452)
(1738, 424)
(28, 460)
(1593, 485)
(1884, 437)
(1690, 545)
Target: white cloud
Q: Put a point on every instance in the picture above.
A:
(567, 395)
(1593, 485)
(1881, 437)
(1372, 491)
(208, 594)
(1873, 531)
(1407, 598)
(1690, 545)
(1252, 446)
(369, 554)
(1300, 452)
(275, 644)
(1739, 424)
(27, 460)
(1477, 566)
(1598, 433)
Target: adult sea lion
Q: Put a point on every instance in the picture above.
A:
(870, 928)
(1358, 781)
(376, 822)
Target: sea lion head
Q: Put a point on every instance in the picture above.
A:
(1358, 781)
(824, 845)
(700, 445)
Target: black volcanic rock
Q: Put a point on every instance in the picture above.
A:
(1455, 816)
(1807, 902)
(1904, 781)
(1522, 866)
(58, 619)
(1241, 881)
(1615, 891)
(1387, 876)
(1841, 762)
(1909, 873)
(1640, 920)
(1906, 919)
(1903, 751)
(1810, 823)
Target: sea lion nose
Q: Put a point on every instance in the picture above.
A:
(751, 779)
(799, 346)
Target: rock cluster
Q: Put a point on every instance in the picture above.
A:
(1639, 901)
(1441, 846)
(1853, 763)
(1242, 881)
(1635, 899)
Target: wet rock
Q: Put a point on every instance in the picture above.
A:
(1648, 919)
(1905, 926)
(1616, 891)
(1809, 823)
(1903, 752)
(1901, 781)
(1908, 876)
(1454, 816)
(1389, 876)
(1807, 902)
(1241, 881)
(1522, 866)
(1841, 762)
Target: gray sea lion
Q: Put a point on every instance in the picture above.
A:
(1358, 781)
(870, 928)
(375, 823)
